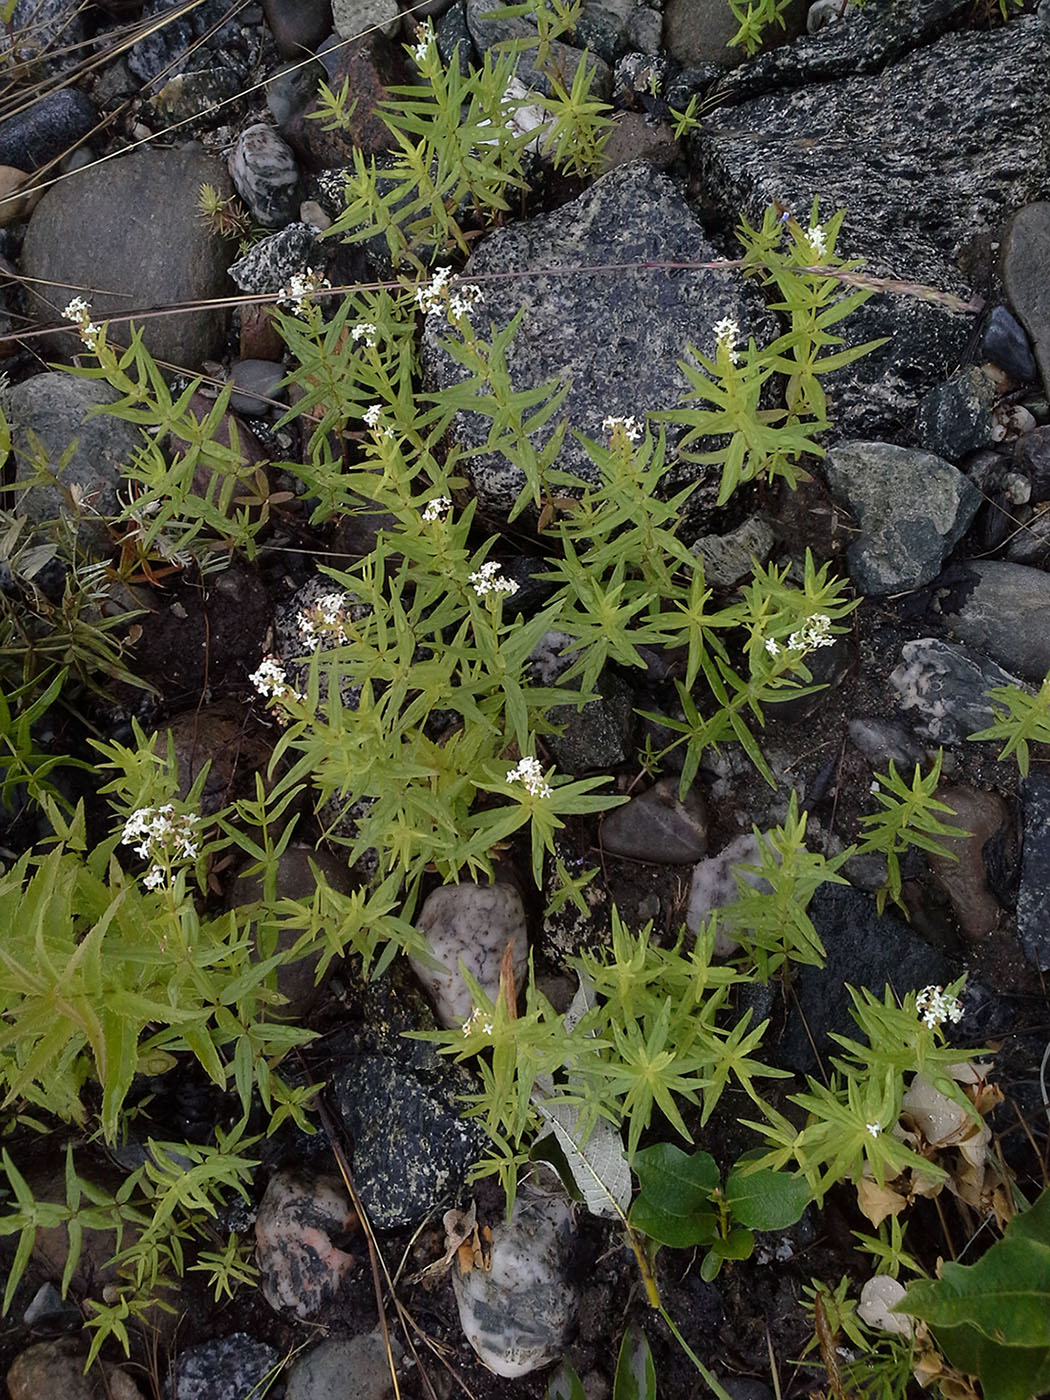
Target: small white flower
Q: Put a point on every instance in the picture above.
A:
(632, 429)
(476, 1022)
(271, 679)
(373, 415)
(433, 295)
(935, 1006)
(817, 240)
(874, 1129)
(435, 509)
(78, 311)
(488, 579)
(772, 646)
(364, 330)
(154, 879)
(815, 633)
(425, 33)
(727, 333)
(296, 295)
(462, 299)
(164, 834)
(324, 621)
(529, 772)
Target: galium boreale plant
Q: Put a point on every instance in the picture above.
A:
(766, 443)
(1020, 718)
(909, 816)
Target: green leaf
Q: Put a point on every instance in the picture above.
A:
(565, 1384)
(1005, 1296)
(765, 1199)
(674, 1206)
(635, 1373)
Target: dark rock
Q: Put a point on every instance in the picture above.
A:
(292, 89)
(265, 174)
(1006, 615)
(227, 1369)
(269, 265)
(199, 94)
(55, 1371)
(41, 38)
(912, 508)
(400, 1102)
(368, 66)
(727, 558)
(904, 212)
(955, 418)
(616, 342)
(643, 30)
(963, 873)
(298, 26)
(565, 59)
(869, 39)
(657, 827)
(1006, 345)
(52, 411)
(699, 31)
(1024, 260)
(452, 33)
(1033, 458)
(213, 735)
(178, 37)
(354, 1368)
(947, 686)
(1033, 897)
(81, 235)
(598, 735)
(46, 128)
(257, 382)
(301, 1233)
(864, 949)
(885, 742)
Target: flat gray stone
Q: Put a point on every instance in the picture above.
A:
(130, 227)
(947, 687)
(657, 827)
(615, 337)
(912, 207)
(1006, 615)
(912, 508)
(354, 1368)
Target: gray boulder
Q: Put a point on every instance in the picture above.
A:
(1006, 614)
(912, 508)
(615, 337)
(913, 208)
(131, 226)
(51, 414)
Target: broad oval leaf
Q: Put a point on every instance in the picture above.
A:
(767, 1199)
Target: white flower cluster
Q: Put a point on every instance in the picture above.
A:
(426, 36)
(529, 772)
(727, 333)
(874, 1128)
(373, 416)
(435, 510)
(300, 286)
(815, 633)
(488, 579)
(632, 429)
(437, 293)
(162, 835)
(323, 621)
(936, 1006)
(817, 240)
(271, 680)
(476, 1022)
(366, 331)
(79, 312)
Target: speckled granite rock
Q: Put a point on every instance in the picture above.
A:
(908, 215)
(400, 1102)
(226, 1369)
(615, 337)
(912, 508)
(471, 924)
(488, 31)
(1033, 896)
(518, 1314)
